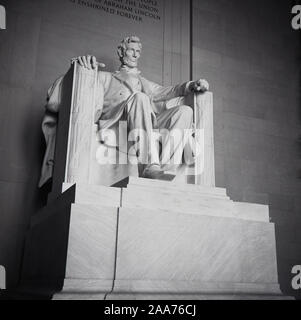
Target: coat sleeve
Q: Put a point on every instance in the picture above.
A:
(160, 93)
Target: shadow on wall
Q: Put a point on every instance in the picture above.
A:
(299, 153)
(299, 140)
(285, 264)
(288, 245)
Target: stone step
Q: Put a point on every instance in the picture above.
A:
(165, 297)
(149, 194)
(193, 297)
(171, 199)
(251, 211)
(168, 196)
(190, 204)
(194, 287)
(170, 290)
(96, 195)
(169, 185)
(175, 201)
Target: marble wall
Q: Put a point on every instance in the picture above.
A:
(251, 56)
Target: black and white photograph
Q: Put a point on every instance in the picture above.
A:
(150, 150)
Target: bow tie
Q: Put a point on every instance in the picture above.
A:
(125, 69)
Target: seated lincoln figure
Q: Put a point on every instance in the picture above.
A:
(128, 96)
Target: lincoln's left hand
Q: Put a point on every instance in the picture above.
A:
(200, 86)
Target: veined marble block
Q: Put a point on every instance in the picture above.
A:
(90, 264)
(92, 242)
(169, 246)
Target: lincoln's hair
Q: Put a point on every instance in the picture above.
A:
(124, 45)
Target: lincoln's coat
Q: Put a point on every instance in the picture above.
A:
(114, 90)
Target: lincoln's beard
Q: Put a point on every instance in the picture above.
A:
(129, 63)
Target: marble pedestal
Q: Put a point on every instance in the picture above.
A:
(160, 240)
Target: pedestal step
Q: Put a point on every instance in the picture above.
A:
(96, 195)
(177, 187)
(167, 196)
(163, 290)
(170, 297)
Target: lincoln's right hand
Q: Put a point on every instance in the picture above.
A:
(89, 62)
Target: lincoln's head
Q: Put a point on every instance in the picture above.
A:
(129, 51)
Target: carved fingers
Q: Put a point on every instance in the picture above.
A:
(94, 62)
(101, 65)
(97, 64)
(80, 61)
(89, 62)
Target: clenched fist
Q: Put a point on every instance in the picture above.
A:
(200, 86)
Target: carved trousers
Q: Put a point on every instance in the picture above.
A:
(147, 132)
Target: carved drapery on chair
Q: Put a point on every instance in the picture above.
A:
(78, 153)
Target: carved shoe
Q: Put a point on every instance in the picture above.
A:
(153, 172)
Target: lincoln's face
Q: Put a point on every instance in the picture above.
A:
(132, 55)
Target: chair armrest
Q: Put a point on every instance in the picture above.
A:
(203, 119)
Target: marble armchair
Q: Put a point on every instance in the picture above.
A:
(74, 147)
